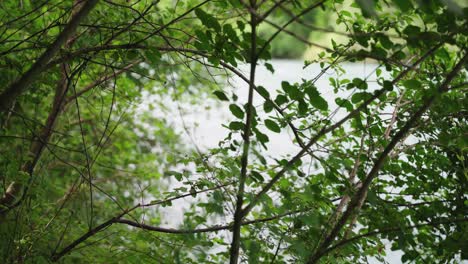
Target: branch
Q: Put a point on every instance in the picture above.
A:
(186, 195)
(99, 81)
(129, 46)
(117, 220)
(207, 229)
(238, 216)
(66, 250)
(283, 28)
(97, 229)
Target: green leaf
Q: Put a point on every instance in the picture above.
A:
(358, 97)
(315, 99)
(269, 67)
(281, 99)
(268, 106)
(387, 85)
(236, 111)
(385, 41)
(404, 5)
(236, 125)
(359, 83)
(221, 96)
(257, 176)
(272, 125)
(261, 137)
(240, 24)
(372, 197)
(344, 103)
(367, 7)
(153, 55)
(193, 191)
(176, 174)
(412, 84)
(412, 31)
(263, 92)
(319, 103)
(230, 32)
(208, 20)
(292, 91)
(302, 107)
(202, 37)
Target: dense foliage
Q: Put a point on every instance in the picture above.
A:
(89, 165)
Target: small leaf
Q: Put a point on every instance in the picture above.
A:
(236, 111)
(208, 20)
(268, 106)
(344, 103)
(272, 125)
(262, 137)
(221, 96)
(385, 41)
(230, 32)
(412, 84)
(153, 55)
(235, 125)
(263, 92)
(387, 85)
(358, 97)
(367, 7)
(292, 91)
(319, 103)
(378, 72)
(176, 174)
(240, 24)
(302, 107)
(412, 31)
(280, 99)
(315, 99)
(202, 37)
(359, 83)
(193, 192)
(404, 5)
(270, 67)
(257, 176)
